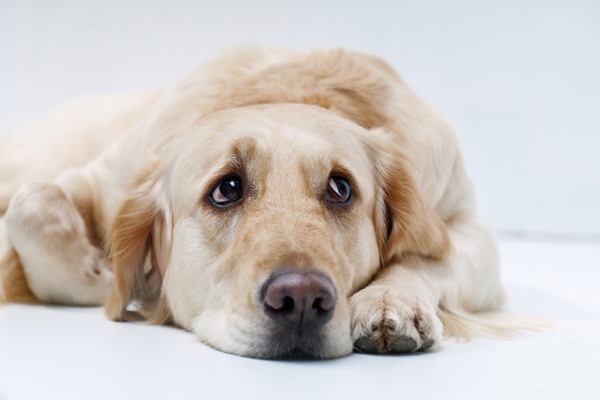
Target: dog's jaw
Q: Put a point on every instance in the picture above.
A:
(259, 338)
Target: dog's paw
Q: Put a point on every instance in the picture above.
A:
(388, 322)
(90, 276)
(95, 266)
(81, 275)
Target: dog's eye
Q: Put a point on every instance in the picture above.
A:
(339, 190)
(228, 191)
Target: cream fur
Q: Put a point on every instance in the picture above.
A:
(104, 200)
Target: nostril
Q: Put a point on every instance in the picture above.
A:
(317, 304)
(326, 302)
(283, 304)
(323, 305)
(288, 305)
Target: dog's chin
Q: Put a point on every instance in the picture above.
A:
(290, 346)
(274, 347)
(311, 346)
(281, 346)
(269, 341)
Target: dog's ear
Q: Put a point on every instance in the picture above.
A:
(405, 222)
(139, 247)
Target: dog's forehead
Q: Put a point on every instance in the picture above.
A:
(292, 122)
(274, 139)
(284, 132)
(292, 130)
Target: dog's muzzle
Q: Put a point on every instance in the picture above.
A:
(300, 303)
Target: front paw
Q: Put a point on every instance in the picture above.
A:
(89, 275)
(384, 321)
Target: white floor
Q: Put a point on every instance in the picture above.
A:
(74, 353)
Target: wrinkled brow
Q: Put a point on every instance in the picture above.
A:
(249, 156)
(246, 158)
(243, 151)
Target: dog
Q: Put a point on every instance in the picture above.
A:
(275, 203)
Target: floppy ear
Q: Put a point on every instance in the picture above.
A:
(405, 222)
(139, 246)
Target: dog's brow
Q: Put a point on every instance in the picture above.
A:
(235, 163)
(244, 149)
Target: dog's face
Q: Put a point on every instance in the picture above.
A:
(259, 224)
(285, 203)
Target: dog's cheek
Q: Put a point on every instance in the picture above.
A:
(338, 340)
(363, 254)
(229, 331)
(187, 281)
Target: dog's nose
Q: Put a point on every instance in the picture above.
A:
(299, 300)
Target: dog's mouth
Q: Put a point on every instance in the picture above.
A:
(282, 346)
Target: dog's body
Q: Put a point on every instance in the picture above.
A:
(274, 203)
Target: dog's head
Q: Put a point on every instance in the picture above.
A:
(260, 222)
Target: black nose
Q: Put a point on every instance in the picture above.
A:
(299, 300)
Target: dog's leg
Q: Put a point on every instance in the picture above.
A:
(45, 224)
(398, 311)
(13, 285)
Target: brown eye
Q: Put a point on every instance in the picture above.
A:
(228, 191)
(339, 190)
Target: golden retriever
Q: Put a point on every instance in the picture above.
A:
(275, 203)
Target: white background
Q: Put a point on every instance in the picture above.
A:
(518, 80)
